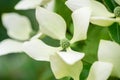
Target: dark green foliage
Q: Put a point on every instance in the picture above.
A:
(115, 32)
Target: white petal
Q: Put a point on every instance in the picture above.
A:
(51, 5)
(102, 21)
(109, 51)
(50, 23)
(38, 50)
(44, 2)
(10, 46)
(98, 9)
(70, 57)
(18, 26)
(117, 1)
(76, 4)
(100, 71)
(81, 19)
(61, 69)
(27, 4)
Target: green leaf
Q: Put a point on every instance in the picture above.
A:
(7, 5)
(85, 72)
(95, 34)
(113, 78)
(115, 32)
(110, 4)
(65, 12)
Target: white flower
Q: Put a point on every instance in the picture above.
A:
(54, 25)
(32, 4)
(63, 63)
(100, 71)
(18, 28)
(99, 14)
(108, 61)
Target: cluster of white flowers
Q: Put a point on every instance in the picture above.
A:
(63, 60)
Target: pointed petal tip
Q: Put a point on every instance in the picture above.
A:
(103, 21)
(27, 4)
(98, 9)
(76, 4)
(18, 26)
(55, 27)
(10, 46)
(71, 57)
(38, 50)
(81, 19)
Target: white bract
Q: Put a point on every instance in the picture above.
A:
(100, 71)
(108, 64)
(99, 13)
(32, 4)
(18, 28)
(63, 63)
(54, 25)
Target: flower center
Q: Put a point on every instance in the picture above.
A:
(117, 11)
(64, 43)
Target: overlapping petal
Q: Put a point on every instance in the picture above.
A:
(98, 9)
(110, 52)
(99, 13)
(70, 57)
(61, 69)
(10, 46)
(81, 18)
(51, 24)
(18, 26)
(102, 21)
(100, 71)
(39, 50)
(76, 4)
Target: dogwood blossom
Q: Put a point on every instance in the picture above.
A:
(99, 14)
(32, 4)
(18, 29)
(63, 63)
(108, 61)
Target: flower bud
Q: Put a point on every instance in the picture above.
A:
(64, 43)
(117, 11)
